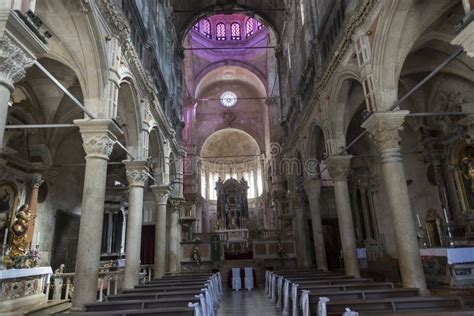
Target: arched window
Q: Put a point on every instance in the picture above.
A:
(220, 32)
(249, 27)
(235, 33)
(206, 25)
(260, 26)
(196, 26)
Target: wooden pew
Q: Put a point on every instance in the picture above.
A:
(155, 295)
(195, 288)
(387, 305)
(170, 311)
(321, 289)
(365, 294)
(140, 304)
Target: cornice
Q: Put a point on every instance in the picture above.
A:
(339, 52)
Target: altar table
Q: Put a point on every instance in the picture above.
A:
(22, 287)
(451, 266)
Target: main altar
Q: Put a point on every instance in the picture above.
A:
(232, 217)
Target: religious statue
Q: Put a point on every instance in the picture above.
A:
(232, 204)
(19, 255)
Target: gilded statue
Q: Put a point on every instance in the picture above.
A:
(468, 171)
(18, 253)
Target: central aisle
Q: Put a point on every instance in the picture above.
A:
(248, 303)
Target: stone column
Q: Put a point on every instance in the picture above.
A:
(36, 182)
(98, 143)
(297, 203)
(173, 253)
(339, 166)
(161, 194)
(365, 208)
(13, 63)
(313, 191)
(136, 175)
(384, 128)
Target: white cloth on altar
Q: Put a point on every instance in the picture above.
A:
(236, 281)
(454, 255)
(248, 280)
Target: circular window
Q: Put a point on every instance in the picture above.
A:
(228, 99)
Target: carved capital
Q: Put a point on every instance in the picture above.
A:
(13, 62)
(161, 193)
(279, 196)
(339, 166)
(384, 128)
(36, 181)
(98, 139)
(175, 203)
(137, 172)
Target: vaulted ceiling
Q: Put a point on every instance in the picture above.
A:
(186, 12)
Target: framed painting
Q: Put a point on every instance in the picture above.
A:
(9, 200)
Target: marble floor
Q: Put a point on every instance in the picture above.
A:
(248, 303)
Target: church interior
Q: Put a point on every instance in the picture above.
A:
(236, 157)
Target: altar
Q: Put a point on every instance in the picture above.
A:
(23, 287)
(449, 266)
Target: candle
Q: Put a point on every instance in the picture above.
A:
(418, 218)
(445, 216)
(5, 237)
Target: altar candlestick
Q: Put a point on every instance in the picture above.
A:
(5, 237)
(418, 218)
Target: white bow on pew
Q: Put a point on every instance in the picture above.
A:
(279, 290)
(286, 289)
(197, 308)
(219, 280)
(270, 277)
(305, 302)
(322, 309)
(294, 299)
(348, 312)
(273, 289)
(202, 300)
(209, 303)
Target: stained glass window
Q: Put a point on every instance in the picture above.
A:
(220, 32)
(249, 27)
(207, 28)
(260, 26)
(235, 33)
(196, 26)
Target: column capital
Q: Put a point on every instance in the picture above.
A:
(97, 136)
(175, 203)
(137, 172)
(161, 193)
(339, 166)
(384, 128)
(36, 180)
(13, 62)
(312, 187)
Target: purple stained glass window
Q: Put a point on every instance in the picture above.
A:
(196, 26)
(249, 27)
(220, 32)
(207, 28)
(235, 33)
(260, 26)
